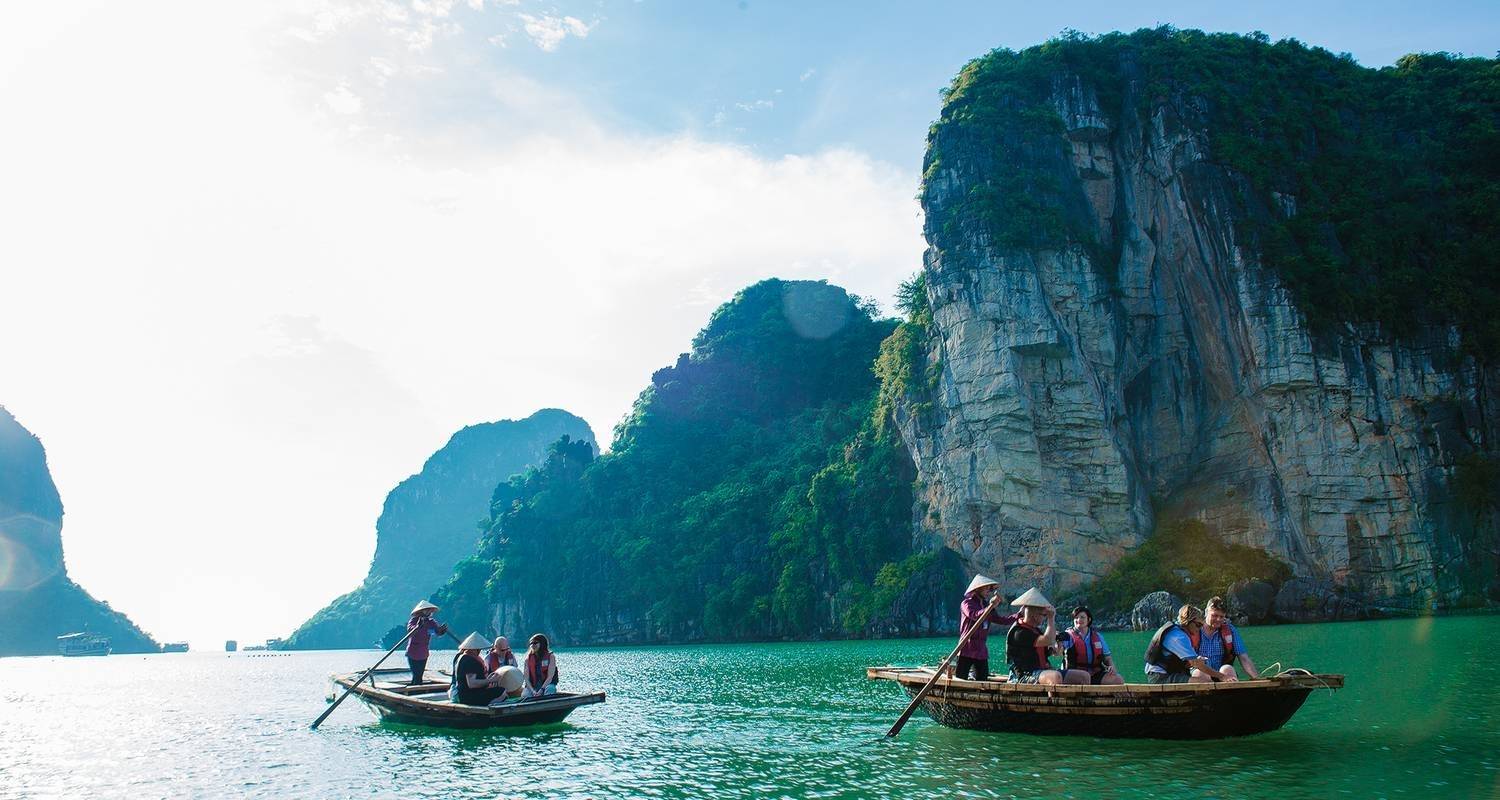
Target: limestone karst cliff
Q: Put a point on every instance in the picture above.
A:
(430, 521)
(38, 601)
(1149, 301)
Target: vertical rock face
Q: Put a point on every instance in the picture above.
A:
(1087, 393)
(38, 602)
(430, 522)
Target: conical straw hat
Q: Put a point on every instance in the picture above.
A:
(1032, 597)
(980, 582)
(474, 642)
(424, 606)
(510, 678)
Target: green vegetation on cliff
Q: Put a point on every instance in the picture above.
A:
(1183, 558)
(1370, 192)
(430, 522)
(748, 495)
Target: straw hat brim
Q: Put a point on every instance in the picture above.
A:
(980, 582)
(474, 642)
(1032, 597)
(423, 606)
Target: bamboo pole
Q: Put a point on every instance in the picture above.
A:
(963, 640)
(366, 674)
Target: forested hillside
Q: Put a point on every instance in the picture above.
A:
(750, 494)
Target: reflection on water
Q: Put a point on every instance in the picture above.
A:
(1419, 715)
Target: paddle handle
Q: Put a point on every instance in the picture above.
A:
(366, 674)
(963, 640)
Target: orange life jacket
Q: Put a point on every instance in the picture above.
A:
(536, 669)
(1078, 654)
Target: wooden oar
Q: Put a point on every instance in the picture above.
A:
(366, 674)
(963, 640)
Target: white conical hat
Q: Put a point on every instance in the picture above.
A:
(424, 606)
(980, 582)
(510, 678)
(1032, 597)
(474, 642)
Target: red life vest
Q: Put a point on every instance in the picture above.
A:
(536, 669)
(1078, 655)
(1041, 649)
(1226, 634)
(492, 661)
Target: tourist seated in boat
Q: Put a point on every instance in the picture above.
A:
(1084, 649)
(1027, 643)
(500, 655)
(472, 684)
(1171, 657)
(541, 668)
(1220, 643)
(421, 626)
(974, 656)
(501, 662)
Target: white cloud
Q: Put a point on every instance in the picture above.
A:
(549, 31)
(756, 105)
(243, 324)
(343, 101)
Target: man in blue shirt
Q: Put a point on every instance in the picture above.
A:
(1220, 643)
(1171, 656)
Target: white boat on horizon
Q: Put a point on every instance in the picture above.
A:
(83, 644)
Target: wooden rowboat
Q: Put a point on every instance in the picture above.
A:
(1144, 711)
(428, 704)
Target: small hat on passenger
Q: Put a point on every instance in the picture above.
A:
(474, 642)
(980, 582)
(1032, 597)
(424, 606)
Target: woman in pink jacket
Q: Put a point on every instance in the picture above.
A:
(421, 626)
(974, 656)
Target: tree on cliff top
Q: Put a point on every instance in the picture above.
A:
(1370, 192)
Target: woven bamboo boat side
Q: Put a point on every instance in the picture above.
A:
(1170, 711)
(428, 704)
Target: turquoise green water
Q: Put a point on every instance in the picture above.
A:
(1421, 717)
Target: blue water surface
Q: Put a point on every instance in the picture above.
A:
(1421, 715)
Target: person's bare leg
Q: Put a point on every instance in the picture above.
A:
(1198, 676)
(1112, 679)
(1228, 672)
(1050, 677)
(1076, 677)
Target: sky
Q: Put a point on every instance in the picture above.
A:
(259, 260)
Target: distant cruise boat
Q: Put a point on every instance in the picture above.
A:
(174, 647)
(83, 644)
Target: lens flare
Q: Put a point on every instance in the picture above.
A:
(26, 541)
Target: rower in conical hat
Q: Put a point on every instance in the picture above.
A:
(976, 614)
(419, 630)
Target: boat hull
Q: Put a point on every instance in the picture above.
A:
(1140, 711)
(428, 705)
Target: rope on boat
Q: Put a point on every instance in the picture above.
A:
(1297, 672)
